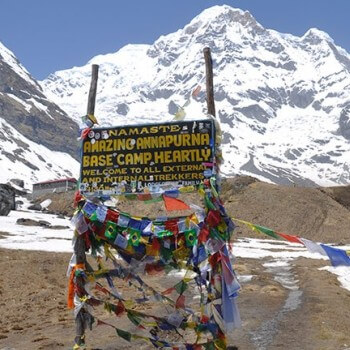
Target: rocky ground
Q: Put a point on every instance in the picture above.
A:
(282, 307)
(34, 314)
(319, 214)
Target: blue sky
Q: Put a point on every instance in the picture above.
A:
(49, 35)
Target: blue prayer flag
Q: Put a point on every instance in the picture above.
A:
(337, 256)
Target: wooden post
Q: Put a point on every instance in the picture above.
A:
(209, 81)
(93, 89)
(79, 246)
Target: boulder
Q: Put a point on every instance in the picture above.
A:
(42, 223)
(31, 222)
(27, 222)
(59, 227)
(35, 206)
(7, 199)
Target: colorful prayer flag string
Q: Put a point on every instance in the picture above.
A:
(196, 243)
(337, 256)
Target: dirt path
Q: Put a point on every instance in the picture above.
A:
(319, 322)
(33, 313)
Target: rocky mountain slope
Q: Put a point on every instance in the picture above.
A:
(319, 214)
(35, 134)
(282, 100)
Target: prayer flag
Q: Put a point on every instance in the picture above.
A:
(313, 247)
(290, 238)
(337, 256)
(123, 334)
(174, 204)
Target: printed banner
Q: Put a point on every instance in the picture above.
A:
(147, 157)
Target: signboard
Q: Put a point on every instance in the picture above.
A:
(153, 156)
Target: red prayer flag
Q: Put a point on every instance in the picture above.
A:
(168, 291)
(174, 204)
(172, 226)
(213, 218)
(144, 196)
(290, 238)
(203, 234)
(120, 309)
(180, 302)
(77, 198)
(154, 269)
(204, 319)
(112, 215)
(155, 244)
(84, 133)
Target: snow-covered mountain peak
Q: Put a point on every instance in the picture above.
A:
(223, 15)
(314, 36)
(214, 27)
(280, 98)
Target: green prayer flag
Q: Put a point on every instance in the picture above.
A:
(93, 216)
(133, 318)
(164, 233)
(135, 236)
(130, 196)
(111, 230)
(213, 186)
(267, 231)
(165, 253)
(208, 203)
(181, 287)
(190, 237)
(123, 334)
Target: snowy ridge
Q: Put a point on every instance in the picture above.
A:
(34, 132)
(282, 100)
(13, 62)
(23, 159)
